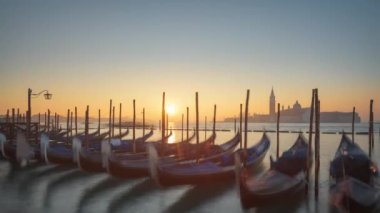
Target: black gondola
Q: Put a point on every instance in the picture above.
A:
(208, 170)
(63, 153)
(127, 166)
(353, 173)
(92, 159)
(285, 179)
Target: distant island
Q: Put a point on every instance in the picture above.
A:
(297, 114)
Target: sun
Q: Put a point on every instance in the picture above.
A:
(170, 109)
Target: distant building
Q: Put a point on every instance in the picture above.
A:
(272, 104)
(297, 114)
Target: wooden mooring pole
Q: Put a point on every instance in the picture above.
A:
(197, 122)
(370, 126)
(317, 145)
(134, 126)
(76, 121)
(113, 121)
(110, 122)
(278, 131)
(187, 123)
(71, 124)
(309, 153)
(205, 127)
(48, 121)
(68, 126)
(353, 126)
(54, 123)
(86, 124)
(18, 116)
(163, 119)
(12, 132)
(7, 118)
(214, 122)
(143, 126)
(120, 108)
(167, 123)
(235, 125)
(13, 115)
(45, 123)
(241, 126)
(182, 128)
(99, 121)
(246, 127)
(57, 123)
(370, 129)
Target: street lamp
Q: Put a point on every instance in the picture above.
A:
(47, 96)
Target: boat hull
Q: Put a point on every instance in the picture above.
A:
(90, 161)
(168, 179)
(127, 172)
(225, 174)
(249, 199)
(10, 151)
(64, 158)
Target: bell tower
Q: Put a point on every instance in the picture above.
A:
(272, 104)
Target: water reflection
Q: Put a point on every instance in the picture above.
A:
(132, 195)
(102, 186)
(172, 138)
(199, 195)
(50, 188)
(60, 182)
(27, 186)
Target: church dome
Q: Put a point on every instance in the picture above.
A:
(297, 106)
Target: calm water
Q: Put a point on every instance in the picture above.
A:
(52, 188)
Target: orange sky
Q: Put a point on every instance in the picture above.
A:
(86, 54)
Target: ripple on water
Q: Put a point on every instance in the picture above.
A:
(42, 188)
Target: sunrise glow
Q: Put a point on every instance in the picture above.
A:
(171, 109)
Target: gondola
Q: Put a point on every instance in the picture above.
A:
(60, 152)
(64, 138)
(353, 172)
(169, 149)
(285, 179)
(8, 147)
(209, 169)
(125, 166)
(96, 141)
(91, 159)
(59, 149)
(18, 149)
(126, 146)
(57, 135)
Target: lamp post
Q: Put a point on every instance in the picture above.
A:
(47, 96)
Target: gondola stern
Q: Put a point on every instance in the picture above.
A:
(153, 164)
(3, 140)
(44, 146)
(76, 147)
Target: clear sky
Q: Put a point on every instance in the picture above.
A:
(86, 52)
